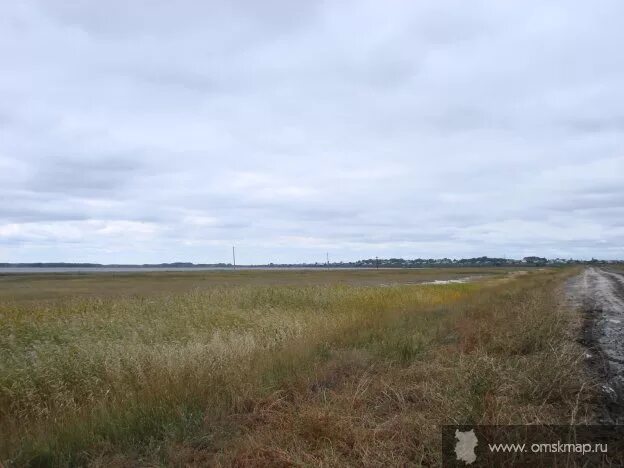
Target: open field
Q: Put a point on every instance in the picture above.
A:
(278, 368)
(38, 287)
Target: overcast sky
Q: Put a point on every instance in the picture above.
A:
(153, 131)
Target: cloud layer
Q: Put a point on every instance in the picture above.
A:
(160, 131)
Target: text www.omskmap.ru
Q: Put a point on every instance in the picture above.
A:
(557, 447)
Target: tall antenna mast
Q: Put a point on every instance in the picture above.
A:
(327, 256)
(234, 257)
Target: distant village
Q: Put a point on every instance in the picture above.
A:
(477, 261)
(467, 262)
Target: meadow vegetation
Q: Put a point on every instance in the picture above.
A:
(52, 286)
(283, 374)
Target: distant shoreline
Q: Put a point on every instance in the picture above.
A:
(365, 263)
(141, 269)
(377, 263)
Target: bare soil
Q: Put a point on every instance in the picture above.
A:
(600, 294)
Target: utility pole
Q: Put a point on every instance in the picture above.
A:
(234, 257)
(327, 257)
(377, 262)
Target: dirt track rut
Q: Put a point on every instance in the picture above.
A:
(600, 292)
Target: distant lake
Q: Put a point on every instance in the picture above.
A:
(24, 270)
(103, 269)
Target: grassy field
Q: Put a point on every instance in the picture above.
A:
(277, 368)
(45, 287)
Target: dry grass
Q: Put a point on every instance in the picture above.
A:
(282, 375)
(506, 355)
(53, 286)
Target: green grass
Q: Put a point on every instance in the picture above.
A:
(169, 377)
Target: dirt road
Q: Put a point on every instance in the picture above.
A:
(600, 292)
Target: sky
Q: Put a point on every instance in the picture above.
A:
(158, 131)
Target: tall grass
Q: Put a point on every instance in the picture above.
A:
(282, 375)
(83, 373)
(504, 354)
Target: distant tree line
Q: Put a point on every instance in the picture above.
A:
(367, 263)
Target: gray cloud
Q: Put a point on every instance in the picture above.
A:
(80, 176)
(159, 131)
